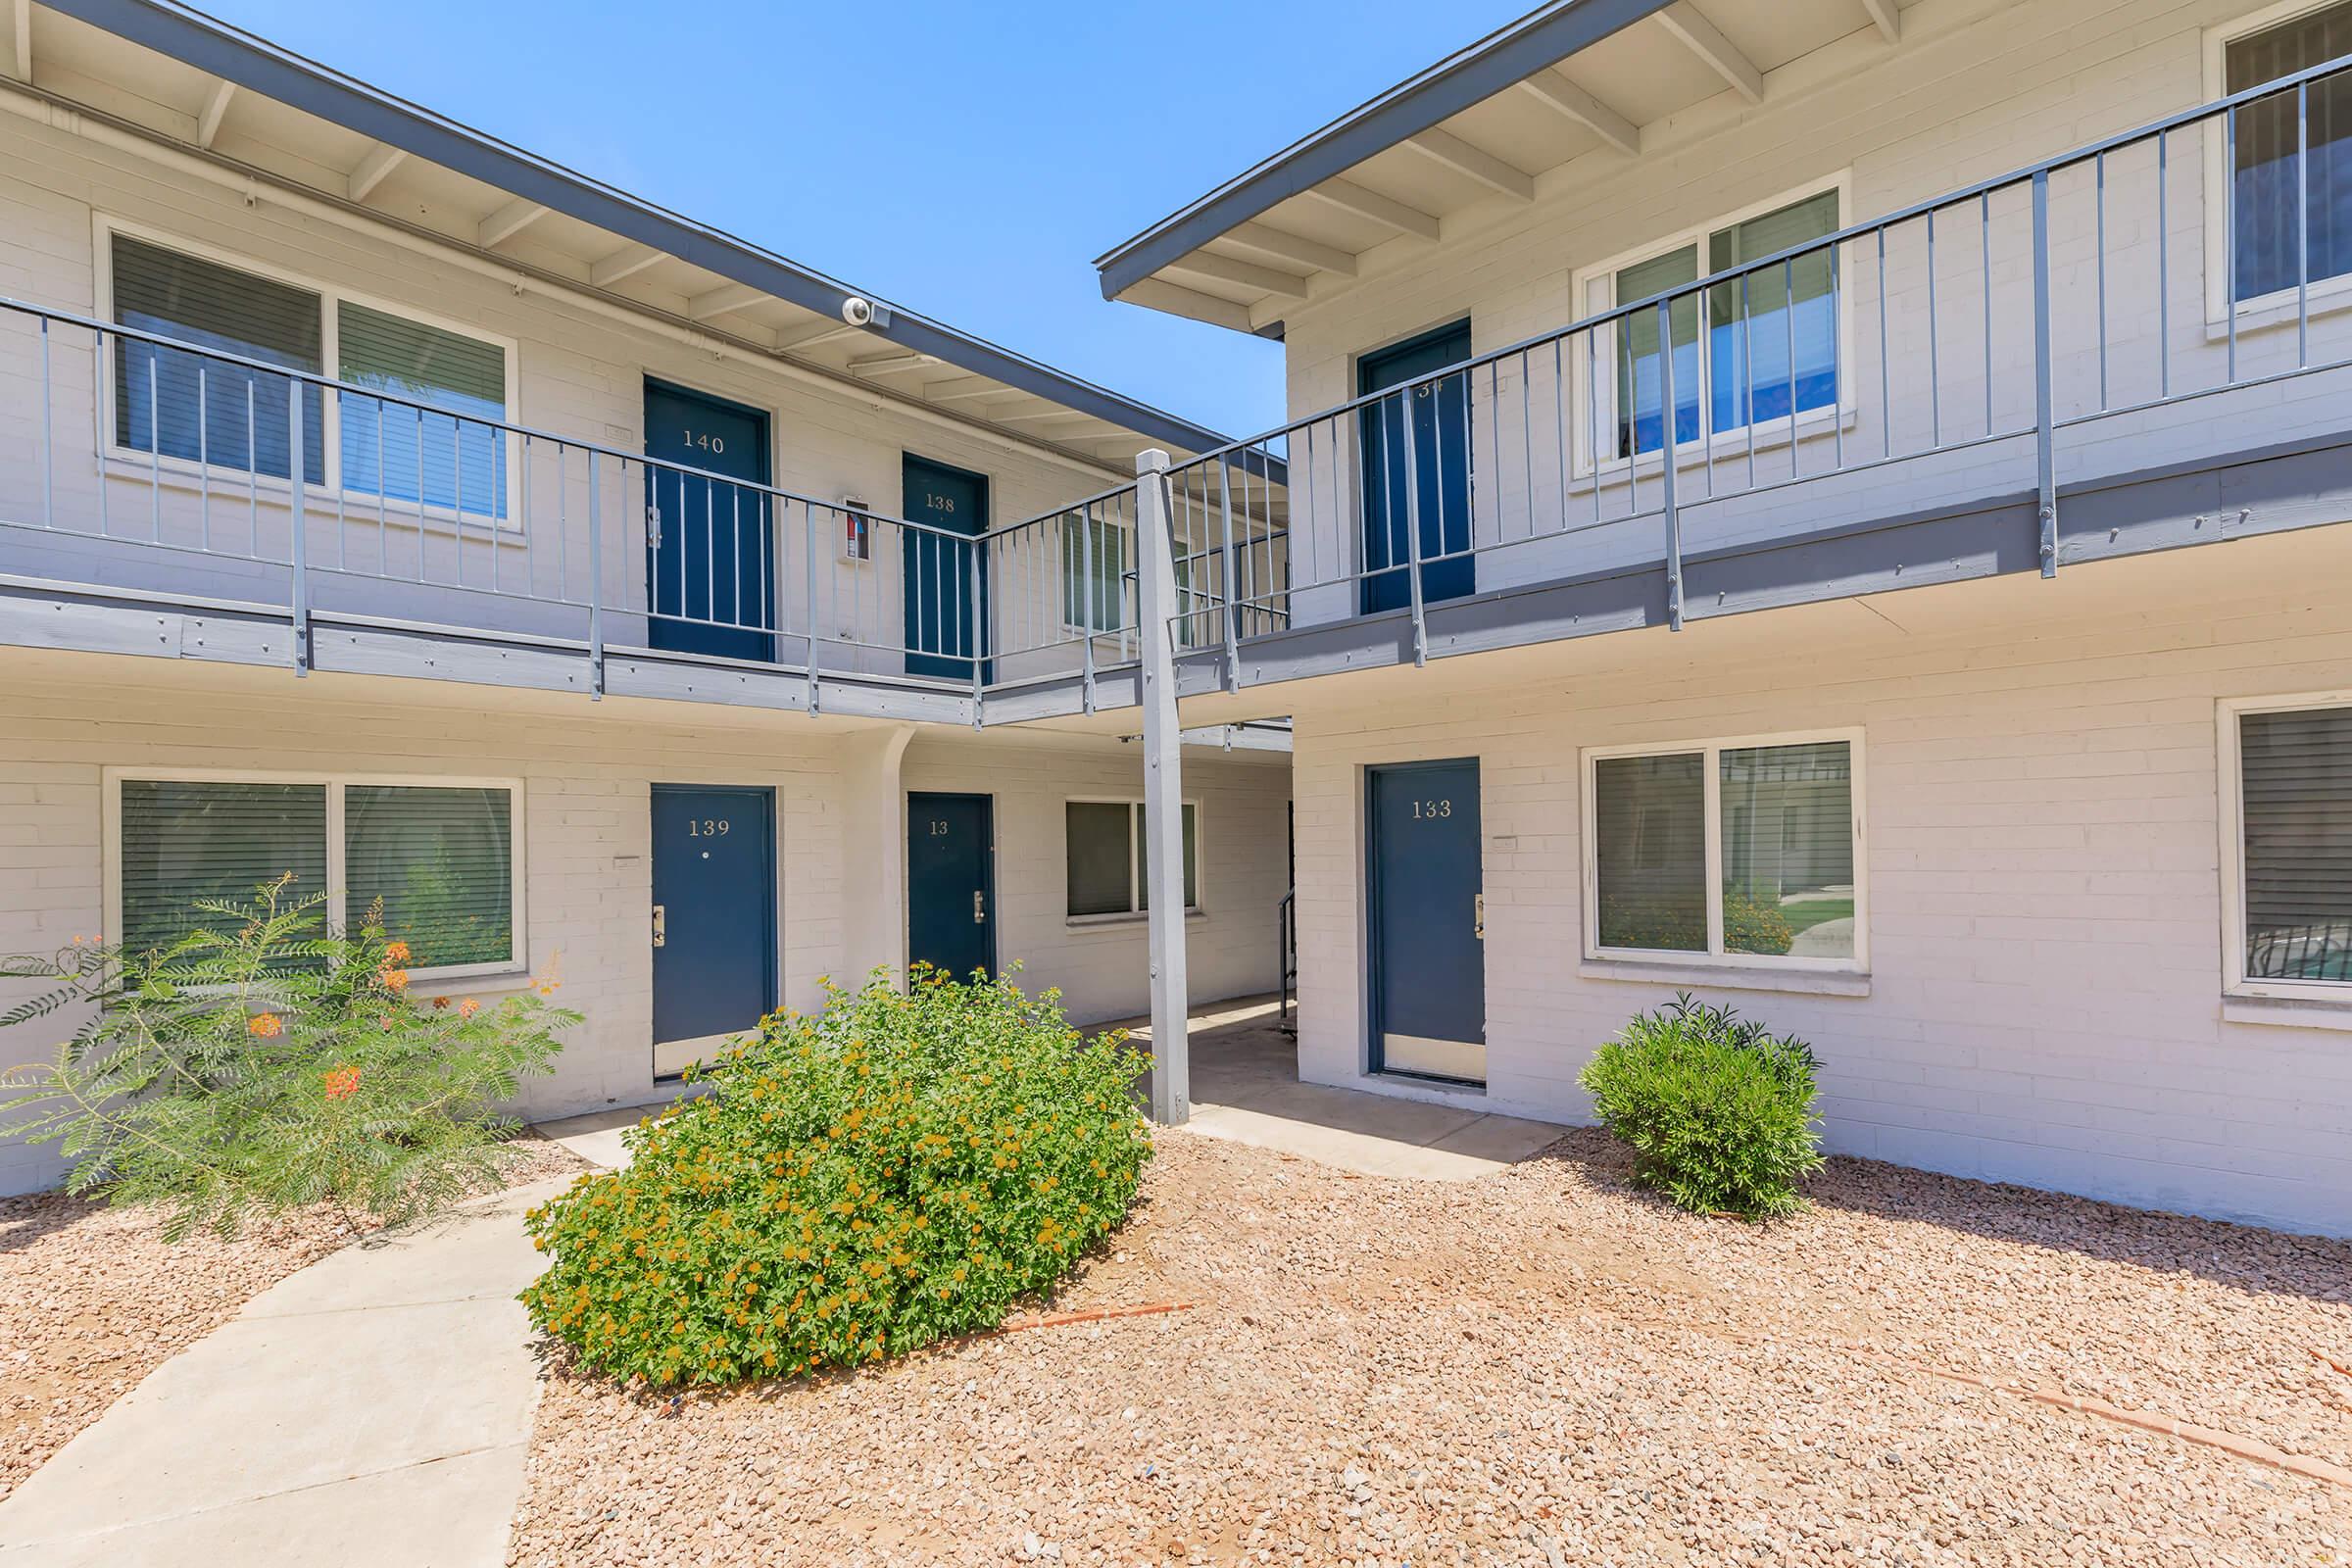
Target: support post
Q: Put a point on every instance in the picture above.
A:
(1164, 792)
(2044, 388)
(596, 580)
(298, 552)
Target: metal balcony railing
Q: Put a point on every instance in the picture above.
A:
(136, 461)
(2178, 294)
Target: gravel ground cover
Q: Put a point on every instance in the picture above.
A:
(93, 1298)
(1543, 1367)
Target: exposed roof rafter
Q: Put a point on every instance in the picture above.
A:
(1241, 275)
(1160, 294)
(19, 33)
(889, 363)
(725, 298)
(817, 334)
(626, 262)
(1349, 197)
(507, 221)
(1888, 16)
(1296, 249)
(1557, 91)
(370, 171)
(1705, 40)
(1475, 161)
(216, 110)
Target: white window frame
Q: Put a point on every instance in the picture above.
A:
(515, 963)
(1710, 752)
(331, 299)
(1135, 910)
(1070, 629)
(2228, 713)
(2332, 293)
(1594, 438)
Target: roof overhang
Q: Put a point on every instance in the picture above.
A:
(1477, 130)
(723, 278)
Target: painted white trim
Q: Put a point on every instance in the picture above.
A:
(332, 297)
(1071, 630)
(1135, 848)
(2264, 311)
(1594, 394)
(112, 780)
(1710, 752)
(2228, 712)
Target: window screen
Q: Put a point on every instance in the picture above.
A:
(1650, 852)
(2269, 184)
(404, 452)
(182, 842)
(2295, 772)
(179, 404)
(441, 861)
(1101, 858)
(1788, 877)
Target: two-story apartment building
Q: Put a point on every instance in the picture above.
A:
(606, 597)
(1838, 506)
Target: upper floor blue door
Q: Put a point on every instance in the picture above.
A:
(944, 581)
(951, 883)
(1432, 464)
(714, 918)
(1427, 920)
(710, 576)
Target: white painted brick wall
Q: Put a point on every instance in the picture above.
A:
(2044, 890)
(587, 773)
(1975, 89)
(1102, 968)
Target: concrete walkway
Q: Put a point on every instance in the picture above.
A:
(1245, 1088)
(374, 1409)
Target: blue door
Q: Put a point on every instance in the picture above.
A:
(710, 558)
(714, 918)
(1428, 921)
(1437, 473)
(946, 629)
(951, 883)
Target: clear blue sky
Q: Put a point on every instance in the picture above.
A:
(968, 161)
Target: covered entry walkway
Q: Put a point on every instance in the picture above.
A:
(1245, 1088)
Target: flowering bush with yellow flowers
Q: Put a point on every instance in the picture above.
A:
(897, 1168)
(261, 1064)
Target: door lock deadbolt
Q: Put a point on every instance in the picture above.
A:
(661, 926)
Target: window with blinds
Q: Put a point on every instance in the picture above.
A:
(437, 861)
(1094, 571)
(1779, 863)
(440, 455)
(175, 403)
(185, 844)
(2295, 814)
(1105, 858)
(2291, 225)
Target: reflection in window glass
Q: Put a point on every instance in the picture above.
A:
(1649, 843)
(2295, 772)
(1789, 850)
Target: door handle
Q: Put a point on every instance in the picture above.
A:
(661, 926)
(979, 908)
(1478, 916)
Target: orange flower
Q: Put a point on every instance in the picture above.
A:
(395, 953)
(341, 1082)
(395, 979)
(468, 1008)
(440, 1004)
(386, 1021)
(265, 1026)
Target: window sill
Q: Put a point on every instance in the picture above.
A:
(2270, 311)
(1719, 448)
(1728, 977)
(2288, 1012)
(1092, 922)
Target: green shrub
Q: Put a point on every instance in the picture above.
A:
(1718, 1110)
(894, 1170)
(259, 1066)
(1749, 924)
